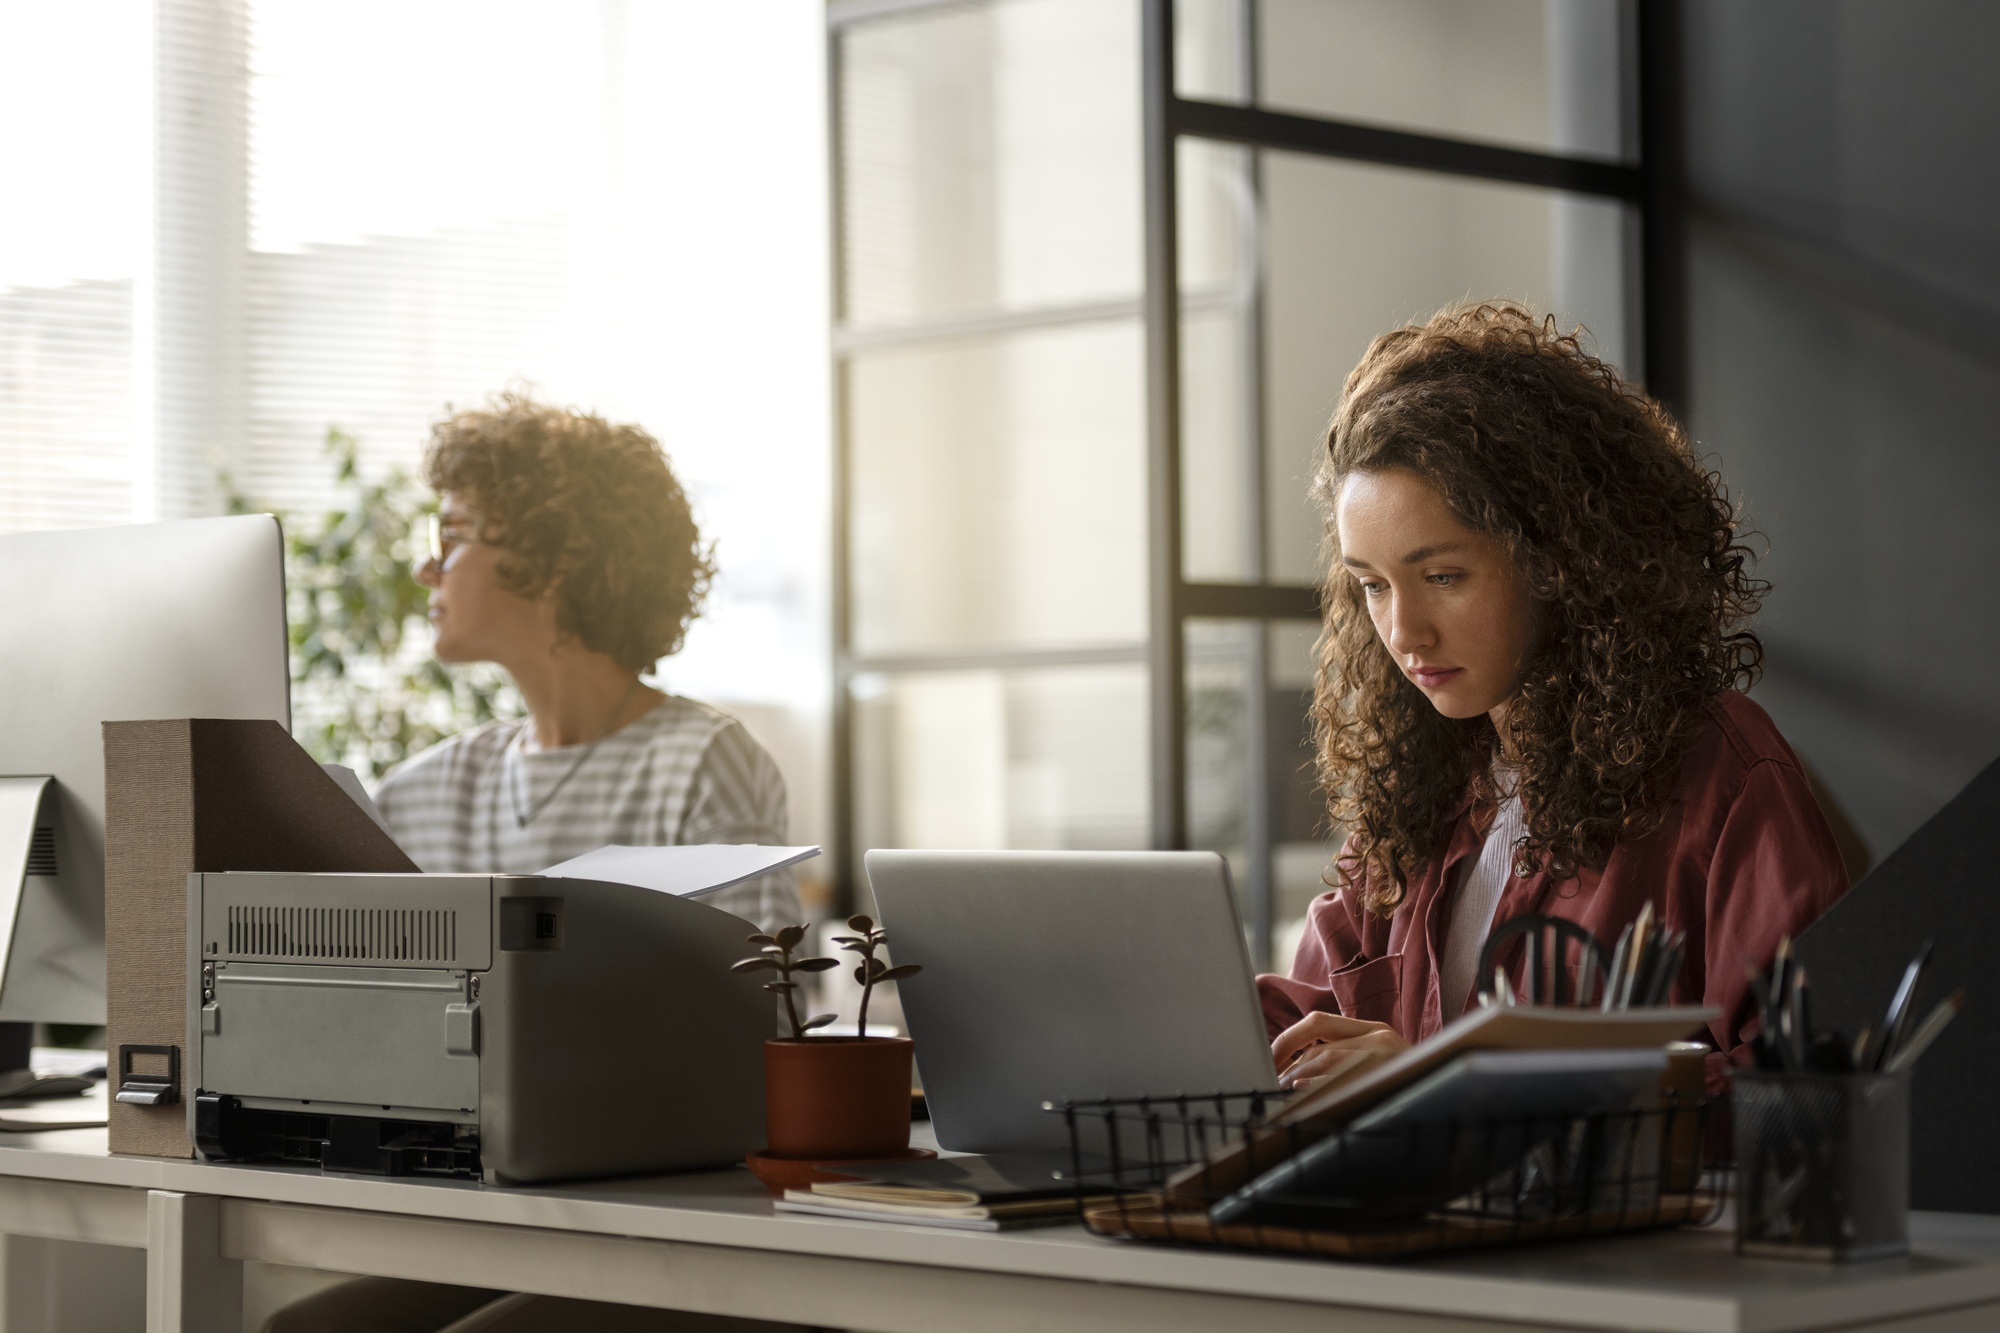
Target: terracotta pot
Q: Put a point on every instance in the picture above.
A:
(837, 1097)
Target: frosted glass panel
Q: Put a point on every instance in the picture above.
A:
(989, 158)
(998, 492)
(1303, 843)
(1248, 691)
(1217, 481)
(1221, 673)
(1208, 49)
(1354, 251)
(1217, 216)
(1040, 758)
(1536, 74)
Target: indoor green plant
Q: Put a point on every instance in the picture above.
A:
(832, 1098)
(366, 691)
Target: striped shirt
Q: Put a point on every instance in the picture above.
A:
(683, 773)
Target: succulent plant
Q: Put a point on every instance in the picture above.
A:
(775, 955)
(868, 938)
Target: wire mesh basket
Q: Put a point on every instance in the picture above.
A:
(1228, 1170)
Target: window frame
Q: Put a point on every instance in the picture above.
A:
(1651, 185)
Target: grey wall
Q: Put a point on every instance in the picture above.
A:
(1844, 328)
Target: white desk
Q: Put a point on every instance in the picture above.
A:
(711, 1242)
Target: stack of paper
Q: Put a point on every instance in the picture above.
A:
(689, 870)
(960, 1209)
(997, 1193)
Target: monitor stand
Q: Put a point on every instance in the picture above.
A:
(20, 811)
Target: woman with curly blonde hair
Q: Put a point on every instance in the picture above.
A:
(565, 551)
(1529, 693)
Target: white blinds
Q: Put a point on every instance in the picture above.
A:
(231, 224)
(75, 127)
(228, 225)
(65, 404)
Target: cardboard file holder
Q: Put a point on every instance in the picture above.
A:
(199, 795)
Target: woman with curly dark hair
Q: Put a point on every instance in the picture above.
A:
(1529, 693)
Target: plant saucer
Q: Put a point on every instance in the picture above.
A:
(779, 1174)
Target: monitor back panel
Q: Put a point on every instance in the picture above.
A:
(161, 620)
(1078, 975)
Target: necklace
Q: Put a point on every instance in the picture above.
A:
(522, 818)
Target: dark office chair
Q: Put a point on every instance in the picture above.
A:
(1547, 977)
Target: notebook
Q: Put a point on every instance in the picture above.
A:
(992, 1193)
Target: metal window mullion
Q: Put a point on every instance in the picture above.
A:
(983, 324)
(1662, 207)
(997, 659)
(841, 721)
(840, 13)
(849, 340)
(1259, 813)
(1258, 128)
(1163, 430)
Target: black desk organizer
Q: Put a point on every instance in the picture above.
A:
(1142, 1171)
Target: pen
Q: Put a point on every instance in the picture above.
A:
(1799, 1007)
(1896, 1025)
(1927, 1031)
(1781, 965)
(1669, 968)
(1642, 941)
(1766, 1042)
(1617, 969)
(1641, 970)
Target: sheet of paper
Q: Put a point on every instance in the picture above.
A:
(687, 871)
(350, 782)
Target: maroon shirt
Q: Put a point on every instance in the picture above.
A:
(1743, 858)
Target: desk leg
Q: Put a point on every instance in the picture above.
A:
(190, 1287)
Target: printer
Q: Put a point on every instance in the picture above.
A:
(510, 1028)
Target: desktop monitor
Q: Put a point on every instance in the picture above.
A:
(162, 620)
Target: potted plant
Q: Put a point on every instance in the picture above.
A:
(832, 1098)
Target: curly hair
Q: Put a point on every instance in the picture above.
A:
(585, 508)
(1628, 542)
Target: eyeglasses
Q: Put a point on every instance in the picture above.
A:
(446, 536)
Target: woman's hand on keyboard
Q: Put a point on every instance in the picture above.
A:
(1327, 1046)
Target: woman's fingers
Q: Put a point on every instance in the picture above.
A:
(1336, 1068)
(1335, 1058)
(1316, 1028)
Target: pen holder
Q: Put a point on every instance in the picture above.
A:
(1822, 1165)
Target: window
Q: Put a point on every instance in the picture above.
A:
(991, 371)
(296, 217)
(1104, 267)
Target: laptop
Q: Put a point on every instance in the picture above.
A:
(1067, 975)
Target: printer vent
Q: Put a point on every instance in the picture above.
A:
(354, 934)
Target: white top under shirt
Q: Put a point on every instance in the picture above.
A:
(683, 773)
(1479, 889)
